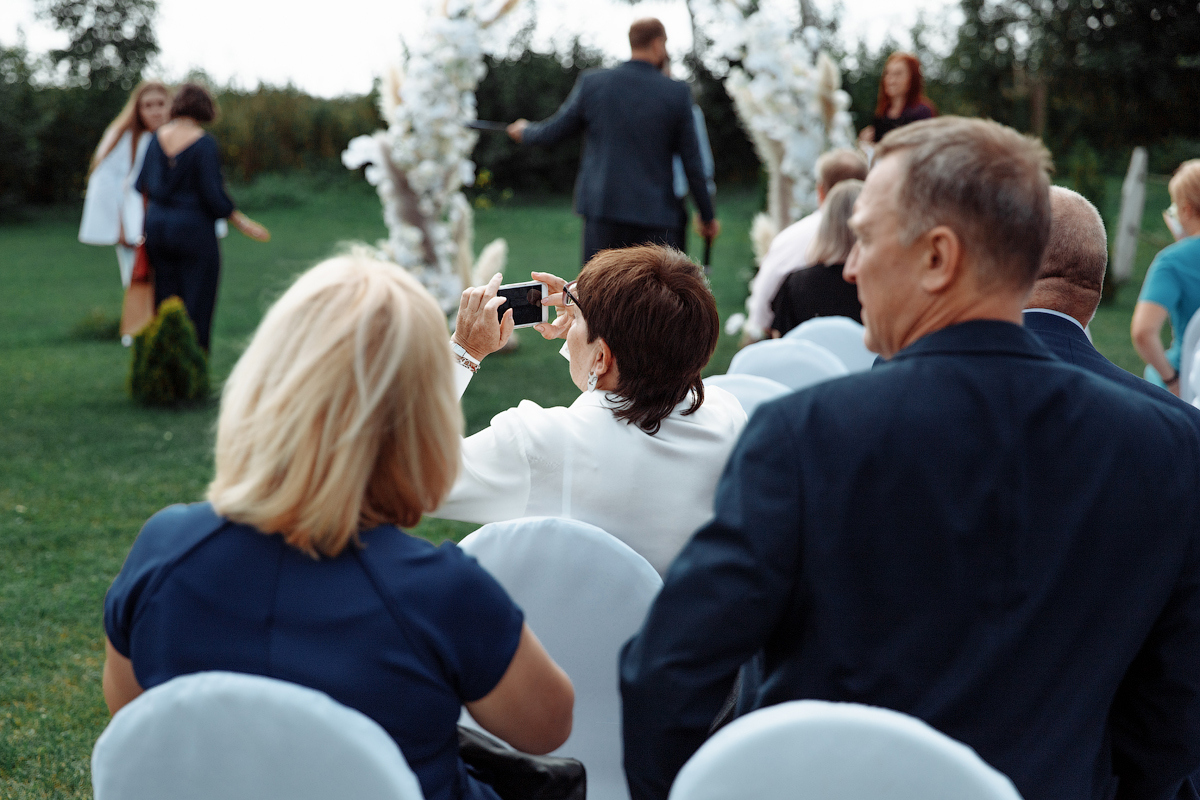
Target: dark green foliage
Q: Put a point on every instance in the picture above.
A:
(109, 42)
(1082, 172)
(532, 86)
(168, 365)
(277, 129)
(98, 326)
(20, 123)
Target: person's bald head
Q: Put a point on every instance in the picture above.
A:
(1072, 273)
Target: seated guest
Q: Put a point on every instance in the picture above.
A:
(819, 290)
(974, 533)
(1067, 292)
(789, 249)
(639, 453)
(338, 424)
(1172, 286)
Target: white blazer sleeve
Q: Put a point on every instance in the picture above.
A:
(494, 478)
(102, 203)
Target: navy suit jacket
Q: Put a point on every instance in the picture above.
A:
(974, 533)
(1070, 343)
(634, 120)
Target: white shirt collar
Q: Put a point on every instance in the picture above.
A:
(1074, 321)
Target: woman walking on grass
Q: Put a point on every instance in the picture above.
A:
(182, 178)
(113, 213)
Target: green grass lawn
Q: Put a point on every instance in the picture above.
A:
(81, 467)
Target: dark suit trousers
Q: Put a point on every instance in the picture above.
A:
(600, 234)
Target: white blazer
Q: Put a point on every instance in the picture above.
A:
(111, 201)
(581, 462)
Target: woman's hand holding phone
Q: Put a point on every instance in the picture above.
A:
(563, 314)
(478, 329)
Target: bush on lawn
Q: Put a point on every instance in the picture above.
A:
(168, 365)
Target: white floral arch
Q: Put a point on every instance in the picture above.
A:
(788, 98)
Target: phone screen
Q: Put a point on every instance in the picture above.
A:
(525, 300)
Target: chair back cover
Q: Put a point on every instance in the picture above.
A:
(796, 363)
(245, 737)
(1189, 380)
(841, 336)
(836, 751)
(750, 390)
(584, 593)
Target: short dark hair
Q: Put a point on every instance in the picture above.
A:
(986, 181)
(193, 100)
(643, 32)
(653, 308)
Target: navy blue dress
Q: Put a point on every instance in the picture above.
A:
(401, 630)
(187, 196)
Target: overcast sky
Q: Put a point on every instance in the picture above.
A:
(338, 47)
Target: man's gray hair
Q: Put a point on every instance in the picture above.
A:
(986, 182)
(1078, 248)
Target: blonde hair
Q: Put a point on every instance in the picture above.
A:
(128, 120)
(1185, 184)
(834, 239)
(341, 415)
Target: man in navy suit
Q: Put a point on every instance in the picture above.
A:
(1067, 292)
(961, 534)
(634, 120)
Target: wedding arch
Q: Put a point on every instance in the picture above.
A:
(787, 96)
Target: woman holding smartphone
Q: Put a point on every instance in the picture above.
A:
(1172, 285)
(639, 453)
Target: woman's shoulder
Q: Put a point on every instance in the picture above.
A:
(1184, 254)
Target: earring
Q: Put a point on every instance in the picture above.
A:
(592, 378)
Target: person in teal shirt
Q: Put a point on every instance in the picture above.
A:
(1172, 285)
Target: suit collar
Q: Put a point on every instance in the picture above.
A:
(1042, 313)
(635, 63)
(978, 337)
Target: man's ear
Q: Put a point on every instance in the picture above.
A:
(943, 258)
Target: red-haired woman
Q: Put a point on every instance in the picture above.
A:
(901, 98)
(113, 213)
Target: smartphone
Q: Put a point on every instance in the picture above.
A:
(525, 300)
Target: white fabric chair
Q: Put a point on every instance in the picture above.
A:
(229, 736)
(750, 390)
(796, 363)
(1189, 376)
(584, 593)
(841, 336)
(836, 751)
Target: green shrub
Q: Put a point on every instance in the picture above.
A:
(168, 365)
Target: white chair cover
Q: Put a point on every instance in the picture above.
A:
(750, 390)
(231, 736)
(796, 363)
(841, 336)
(836, 751)
(584, 593)
(1189, 376)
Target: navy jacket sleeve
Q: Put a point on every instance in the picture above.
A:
(1157, 708)
(718, 607)
(210, 181)
(566, 122)
(688, 147)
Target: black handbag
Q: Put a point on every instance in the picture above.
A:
(520, 776)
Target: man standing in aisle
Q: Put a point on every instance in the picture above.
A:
(634, 119)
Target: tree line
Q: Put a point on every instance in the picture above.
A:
(1094, 78)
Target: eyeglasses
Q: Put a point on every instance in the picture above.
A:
(570, 299)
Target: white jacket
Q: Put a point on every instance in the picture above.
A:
(581, 462)
(111, 201)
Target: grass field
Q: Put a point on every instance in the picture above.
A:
(81, 467)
